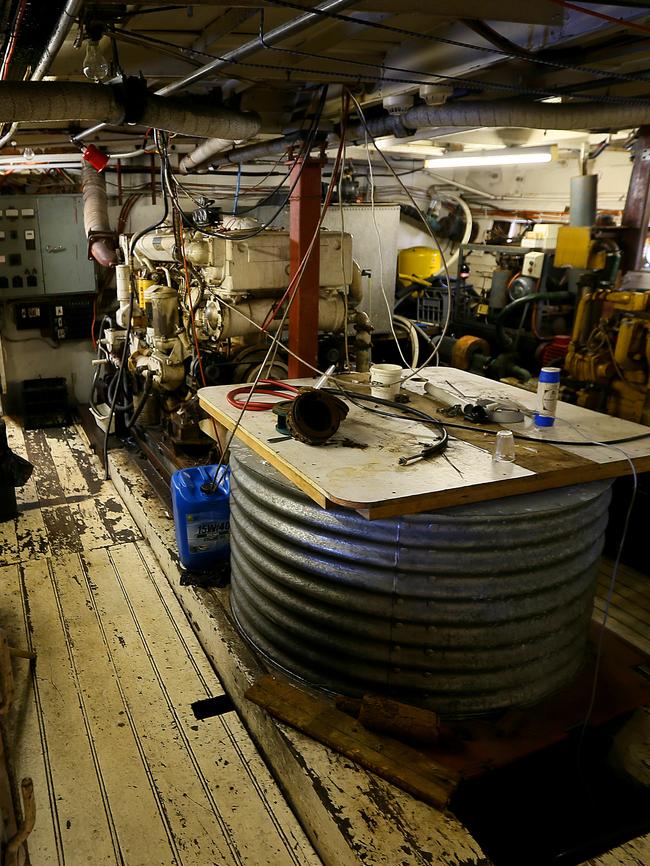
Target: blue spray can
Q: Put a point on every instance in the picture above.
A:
(548, 390)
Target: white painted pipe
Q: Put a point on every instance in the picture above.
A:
(123, 291)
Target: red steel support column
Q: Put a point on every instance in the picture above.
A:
(304, 213)
(636, 215)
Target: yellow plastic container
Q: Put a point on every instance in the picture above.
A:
(415, 264)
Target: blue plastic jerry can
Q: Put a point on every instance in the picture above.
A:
(202, 516)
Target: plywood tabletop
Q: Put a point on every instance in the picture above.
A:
(358, 468)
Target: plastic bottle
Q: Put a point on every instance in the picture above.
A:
(201, 518)
(548, 389)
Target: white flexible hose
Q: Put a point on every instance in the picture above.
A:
(413, 334)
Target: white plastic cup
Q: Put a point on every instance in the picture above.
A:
(504, 447)
(385, 380)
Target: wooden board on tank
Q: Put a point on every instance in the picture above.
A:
(358, 468)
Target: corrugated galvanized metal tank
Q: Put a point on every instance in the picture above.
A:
(466, 610)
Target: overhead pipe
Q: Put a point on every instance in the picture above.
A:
(46, 101)
(261, 42)
(277, 34)
(531, 115)
(500, 113)
(201, 156)
(56, 40)
(248, 153)
(96, 223)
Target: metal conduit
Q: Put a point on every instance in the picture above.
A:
(467, 610)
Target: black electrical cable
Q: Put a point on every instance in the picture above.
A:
(406, 412)
(127, 337)
(146, 393)
(98, 368)
(247, 235)
(418, 415)
(429, 78)
(535, 59)
(580, 442)
(112, 390)
(533, 298)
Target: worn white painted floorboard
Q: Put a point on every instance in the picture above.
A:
(124, 774)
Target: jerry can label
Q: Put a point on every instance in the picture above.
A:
(207, 531)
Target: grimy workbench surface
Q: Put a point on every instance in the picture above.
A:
(358, 468)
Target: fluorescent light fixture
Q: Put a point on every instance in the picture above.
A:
(507, 156)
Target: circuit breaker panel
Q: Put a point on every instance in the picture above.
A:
(43, 247)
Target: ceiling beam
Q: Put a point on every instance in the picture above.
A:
(539, 12)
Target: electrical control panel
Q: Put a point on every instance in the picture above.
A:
(60, 318)
(43, 247)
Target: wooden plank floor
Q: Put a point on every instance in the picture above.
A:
(629, 617)
(123, 772)
(629, 611)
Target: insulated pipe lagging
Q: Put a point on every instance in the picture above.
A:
(56, 40)
(501, 113)
(207, 154)
(51, 101)
(93, 186)
(531, 115)
(202, 155)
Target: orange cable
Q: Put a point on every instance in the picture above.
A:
(642, 28)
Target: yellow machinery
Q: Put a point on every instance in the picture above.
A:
(610, 348)
(417, 265)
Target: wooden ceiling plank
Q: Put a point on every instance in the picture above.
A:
(540, 12)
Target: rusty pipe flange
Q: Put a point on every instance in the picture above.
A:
(314, 416)
(464, 350)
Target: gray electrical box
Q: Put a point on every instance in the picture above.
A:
(43, 247)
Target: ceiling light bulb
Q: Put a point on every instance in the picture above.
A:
(506, 156)
(95, 66)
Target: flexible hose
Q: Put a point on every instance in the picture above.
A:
(553, 297)
(127, 338)
(146, 393)
(413, 334)
(112, 391)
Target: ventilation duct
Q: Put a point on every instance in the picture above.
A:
(96, 223)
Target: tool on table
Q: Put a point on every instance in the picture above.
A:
(428, 450)
(483, 410)
(486, 411)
